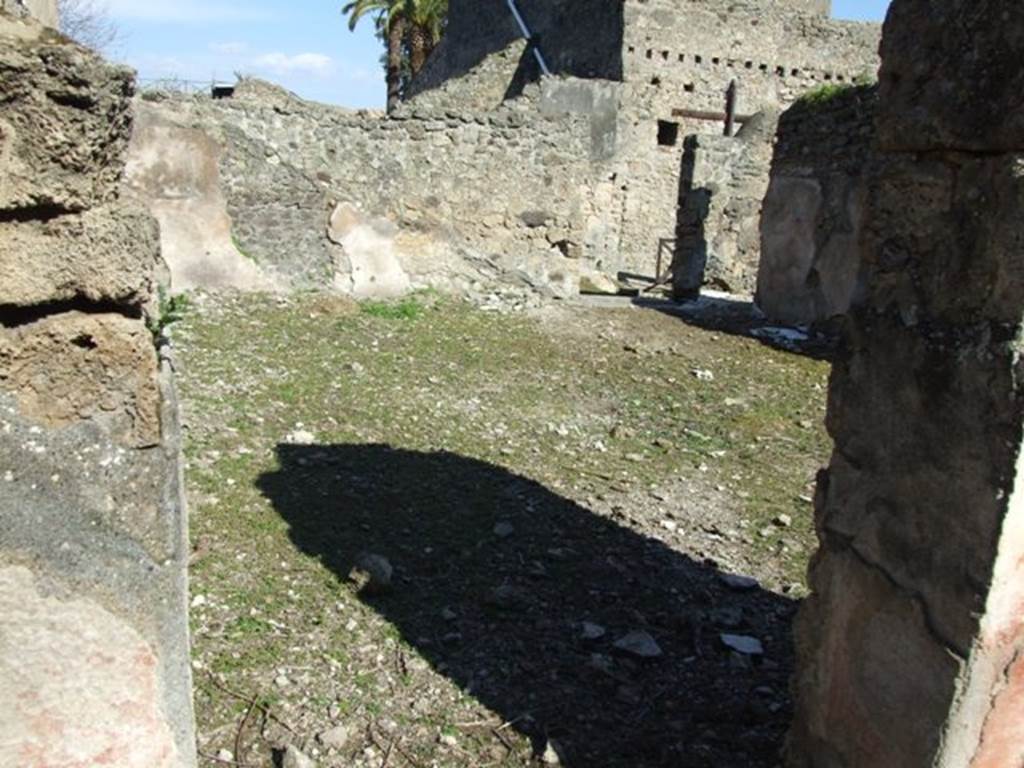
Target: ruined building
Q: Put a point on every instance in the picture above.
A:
(912, 643)
(490, 172)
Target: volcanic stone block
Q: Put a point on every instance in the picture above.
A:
(56, 259)
(65, 121)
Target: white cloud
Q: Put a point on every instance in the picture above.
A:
(185, 11)
(229, 48)
(283, 64)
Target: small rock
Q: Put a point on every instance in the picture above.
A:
(703, 375)
(294, 758)
(743, 644)
(372, 574)
(739, 582)
(334, 738)
(198, 600)
(727, 617)
(448, 740)
(507, 598)
(226, 755)
(639, 644)
(504, 529)
(635, 457)
(784, 521)
(282, 681)
(670, 525)
(300, 437)
(593, 631)
(552, 754)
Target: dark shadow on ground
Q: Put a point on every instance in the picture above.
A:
(732, 315)
(501, 611)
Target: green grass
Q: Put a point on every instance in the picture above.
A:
(242, 250)
(567, 411)
(171, 308)
(825, 93)
(404, 309)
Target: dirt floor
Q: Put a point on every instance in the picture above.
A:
(430, 535)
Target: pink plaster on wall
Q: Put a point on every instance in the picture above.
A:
(80, 686)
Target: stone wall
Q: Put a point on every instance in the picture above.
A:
(911, 645)
(484, 53)
(682, 57)
(93, 548)
(428, 199)
(724, 184)
(44, 11)
(812, 214)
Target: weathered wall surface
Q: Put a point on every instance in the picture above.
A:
(670, 56)
(809, 270)
(175, 168)
(44, 11)
(724, 183)
(682, 57)
(484, 54)
(616, 40)
(94, 642)
(911, 644)
(455, 199)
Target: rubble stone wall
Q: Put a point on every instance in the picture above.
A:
(809, 270)
(44, 11)
(453, 198)
(717, 232)
(93, 549)
(910, 645)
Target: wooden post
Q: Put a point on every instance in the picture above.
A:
(730, 108)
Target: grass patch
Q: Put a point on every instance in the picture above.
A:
(825, 93)
(431, 421)
(170, 309)
(405, 309)
(241, 249)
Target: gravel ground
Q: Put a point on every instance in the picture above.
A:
(433, 534)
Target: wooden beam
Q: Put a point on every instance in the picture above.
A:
(718, 117)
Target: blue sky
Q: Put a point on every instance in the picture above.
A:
(304, 45)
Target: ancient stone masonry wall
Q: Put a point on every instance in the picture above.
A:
(695, 49)
(484, 54)
(44, 11)
(416, 199)
(93, 642)
(724, 183)
(683, 56)
(912, 644)
(812, 214)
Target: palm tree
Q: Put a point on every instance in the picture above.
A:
(390, 18)
(427, 20)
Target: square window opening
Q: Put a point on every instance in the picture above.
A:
(668, 133)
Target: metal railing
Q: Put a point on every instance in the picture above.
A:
(180, 86)
(529, 36)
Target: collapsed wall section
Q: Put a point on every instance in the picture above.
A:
(910, 645)
(94, 641)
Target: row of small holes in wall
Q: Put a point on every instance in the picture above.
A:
(780, 71)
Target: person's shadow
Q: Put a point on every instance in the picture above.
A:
(520, 596)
